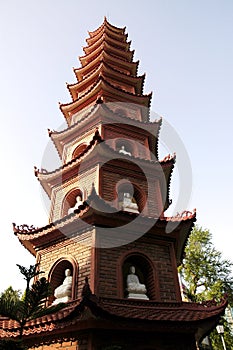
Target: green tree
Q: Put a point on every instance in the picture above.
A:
(207, 275)
(10, 294)
(30, 306)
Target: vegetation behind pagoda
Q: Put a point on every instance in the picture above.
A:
(207, 275)
(25, 307)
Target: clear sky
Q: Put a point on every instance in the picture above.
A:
(186, 49)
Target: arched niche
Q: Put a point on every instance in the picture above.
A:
(79, 150)
(57, 275)
(138, 196)
(70, 200)
(126, 143)
(143, 269)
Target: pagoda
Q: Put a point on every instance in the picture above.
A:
(107, 230)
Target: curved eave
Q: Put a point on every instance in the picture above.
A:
(102, 112)
(116, 314)
(121, 65)
(116, 36)
(94, 155)
(110, 27)
(96, 212)
(107, 314)
(108, 92)
(60, 138)
(121, 54)
(107, 72)
(54, 232)
(168, 165)
(180, 226)
(47, 179)
(105, 37)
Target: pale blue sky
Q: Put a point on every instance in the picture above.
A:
(186, 49)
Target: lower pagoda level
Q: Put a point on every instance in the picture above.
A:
(109, 251)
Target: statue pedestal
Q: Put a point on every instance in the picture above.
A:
(62, 300)
(137, 296)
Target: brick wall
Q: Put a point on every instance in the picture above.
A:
(83, 181)
(110, 177)
(159, 254)
(78, 249)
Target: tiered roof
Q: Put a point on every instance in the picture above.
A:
(108, 74)
(49, 179)
(95, 211)
(92, 117)
(115, 314)
(107, 71)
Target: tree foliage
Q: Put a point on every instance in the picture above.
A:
(207, 275)
(26, 307)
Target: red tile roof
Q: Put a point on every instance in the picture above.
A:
(122, 310)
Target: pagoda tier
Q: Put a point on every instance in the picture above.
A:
(108, 72)
(103, 116)
(94, 213)
(105, 37)
(129, 68)
(130, 83)
(107, 27)
(108, 93)
(100, 160)
(110, 49)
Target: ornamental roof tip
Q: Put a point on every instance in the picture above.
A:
(169, 157)
(86, 291)
(184, 215)
(96, 138)
(24, 228)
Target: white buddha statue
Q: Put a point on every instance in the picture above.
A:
(135, 289)
(129, 203)
(77, 204)
(63, 292)
(123, 151)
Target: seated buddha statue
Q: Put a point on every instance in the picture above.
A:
(63, 292)
(129, 203)
(77, 204)
(135, 289)
(123, 151)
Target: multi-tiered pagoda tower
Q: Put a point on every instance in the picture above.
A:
(107, 224)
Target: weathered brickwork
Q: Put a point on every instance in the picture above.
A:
(83, 181)
(70, 147)
(110, 179)
(78, 249)
(159, 254)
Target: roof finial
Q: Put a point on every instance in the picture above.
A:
(86, 292)
(99, 100)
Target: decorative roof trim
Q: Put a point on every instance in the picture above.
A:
(121, 45)
(105, 46)
(102, 69)
(95, 88)
(184, 314)
(132, 67)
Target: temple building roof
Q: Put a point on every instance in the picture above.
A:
(117, 314)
